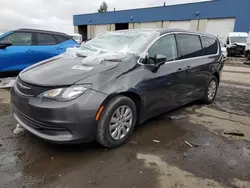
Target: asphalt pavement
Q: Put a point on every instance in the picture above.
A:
(185, 148)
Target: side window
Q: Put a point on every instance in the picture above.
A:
(210, 46)
(166, 45)
(60, 39)
(189, 46)
(18, 39)
(45, 39)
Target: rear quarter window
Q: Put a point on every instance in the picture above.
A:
(60, 39)
(189, 46)
(210, 45)
(45, 39)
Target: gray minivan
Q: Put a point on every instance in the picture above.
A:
(115, 81)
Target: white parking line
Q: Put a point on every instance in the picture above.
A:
(235, 86)
(236, 69)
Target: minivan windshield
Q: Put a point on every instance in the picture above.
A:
(238, 39)
(119, 41)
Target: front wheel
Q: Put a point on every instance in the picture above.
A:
(229, 53)
(211, 90)
(117, 122)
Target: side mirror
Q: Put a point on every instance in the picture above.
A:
(4, 45)
(154, 63)
(225, 45)
(160, 60)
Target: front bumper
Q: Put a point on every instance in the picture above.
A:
(238, 50)
(59, 122)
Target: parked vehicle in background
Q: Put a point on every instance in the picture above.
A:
(118, 80)
(24, 47)
(247, 50)
(236, 43)
(77, 37)
(223, 49)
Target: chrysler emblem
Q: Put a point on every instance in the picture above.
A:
(23, 87)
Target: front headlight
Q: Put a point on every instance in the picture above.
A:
(64, 94)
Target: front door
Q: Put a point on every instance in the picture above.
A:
(16, 57)
(167, 84)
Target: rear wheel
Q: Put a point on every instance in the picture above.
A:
(117, 122)
(248, 55)
(211, 90)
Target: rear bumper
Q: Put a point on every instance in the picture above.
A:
(59, 122)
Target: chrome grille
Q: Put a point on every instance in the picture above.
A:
(28, 90)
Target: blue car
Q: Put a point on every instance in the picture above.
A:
(24, 47)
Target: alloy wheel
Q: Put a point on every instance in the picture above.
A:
(120, 122)
(212, 90)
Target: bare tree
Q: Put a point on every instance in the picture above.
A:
(103, 7)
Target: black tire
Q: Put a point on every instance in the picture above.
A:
(248, 55)
(206, 99)
(103, 135)
(229, 53)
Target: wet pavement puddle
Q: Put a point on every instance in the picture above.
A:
(155, 157)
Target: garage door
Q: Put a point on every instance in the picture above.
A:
(220, 27)
(99, 29)
(150, 25)
(180, 25)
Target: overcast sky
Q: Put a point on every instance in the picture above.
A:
(57, 15)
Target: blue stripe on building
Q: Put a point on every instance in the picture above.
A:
(238, 9)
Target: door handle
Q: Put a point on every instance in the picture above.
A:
(187, 68)
(30, 50)
(181, 69)
(60, 48)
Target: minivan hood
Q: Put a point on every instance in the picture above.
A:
(239, 44)
(63, 71)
